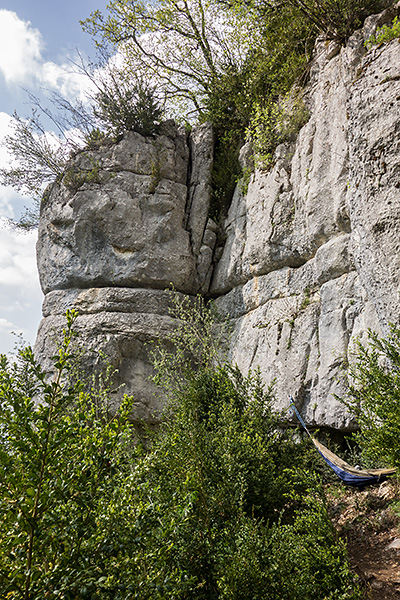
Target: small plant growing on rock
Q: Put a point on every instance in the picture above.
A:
(75, 178)
(384, 34)
(126, 105)
(275, 123)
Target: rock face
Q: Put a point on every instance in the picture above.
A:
(118, 217)
(311, 258)
(125, 223)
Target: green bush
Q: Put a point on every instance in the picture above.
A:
(374, 397)
(75, 178)
(338, 19)
(275, 123)
(128, 106)
(62, 467)
(244, 519)
(232, 509)
(217, 506)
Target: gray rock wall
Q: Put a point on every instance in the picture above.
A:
(312, 255)
(125, 223)
(311, 258)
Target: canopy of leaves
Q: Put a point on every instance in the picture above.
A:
(229, 62)
(183, 46)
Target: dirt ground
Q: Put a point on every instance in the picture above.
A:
(369, 521)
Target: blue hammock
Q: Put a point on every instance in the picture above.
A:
(348, 474)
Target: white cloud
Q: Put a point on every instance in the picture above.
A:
(64, 79)
(8, 327)
(20, 47)
(5, 129)
(17, 259)
(11, 203)
(20, 293)
(22, 63)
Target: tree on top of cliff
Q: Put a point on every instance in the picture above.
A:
(220, 55)
(183, 45)
(116, 101)
(333, 19)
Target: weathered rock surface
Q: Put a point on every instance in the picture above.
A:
(118, 217)
(311, 259)
(125, 223)
(312, 252)
(116, 327)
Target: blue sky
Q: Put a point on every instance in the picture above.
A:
(37, 37)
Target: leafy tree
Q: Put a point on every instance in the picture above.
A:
(374, 397)
(230, 62)
(61, 468)
(183, 46)
(337, 19)
(332, 19)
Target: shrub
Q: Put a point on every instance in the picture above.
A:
(374, 397)
(384, 34)
(275, 123)
(217, 507)
(62, 466)
(238, 514)
(75, 178)
(122, 105)
(234, 512)
(338, 19)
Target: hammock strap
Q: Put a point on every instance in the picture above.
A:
(294, 409)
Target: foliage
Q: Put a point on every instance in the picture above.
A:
(61, 471)
(277, 59)
(337, 19)
(384, 34)
(374, 397)
(116, 102)
(74, 178)
(29, 219)
(225, 173)
(218, 505)
(211, 62)
(121, 99)
(230, 62)
(182, 46)
(240, 517)
(128, 108)
(275, 123)
(236, 514)
(40, 158)
(196, 342)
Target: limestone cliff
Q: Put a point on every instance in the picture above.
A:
(125, 223)
(311, 255)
